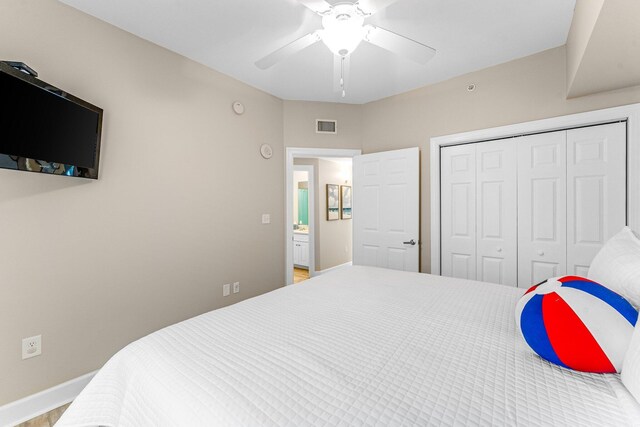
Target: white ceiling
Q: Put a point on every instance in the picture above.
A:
(230, 35)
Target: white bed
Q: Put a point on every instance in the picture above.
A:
(358, 346)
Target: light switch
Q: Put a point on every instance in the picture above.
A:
(266, 219)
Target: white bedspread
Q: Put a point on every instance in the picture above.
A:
(358, 346)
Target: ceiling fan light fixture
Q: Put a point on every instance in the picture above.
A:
(343, 29)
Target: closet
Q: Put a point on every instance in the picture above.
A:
(519, 210)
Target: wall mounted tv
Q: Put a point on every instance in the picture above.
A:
(44, 129)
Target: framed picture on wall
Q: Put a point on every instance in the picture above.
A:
(345, 201)
(333, 202)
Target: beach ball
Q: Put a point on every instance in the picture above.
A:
(576, 323)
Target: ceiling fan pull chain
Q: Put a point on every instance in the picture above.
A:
(344, 93)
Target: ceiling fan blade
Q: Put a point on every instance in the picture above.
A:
(318, 6)
(288, 50)
(370, 7)
(399, 45)
(340, 72)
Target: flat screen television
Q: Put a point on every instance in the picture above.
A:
(44, 129)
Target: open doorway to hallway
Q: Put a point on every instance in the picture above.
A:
(303, 211)
(319, 233)
(331, 199)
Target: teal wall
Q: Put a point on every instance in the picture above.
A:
(303, 206)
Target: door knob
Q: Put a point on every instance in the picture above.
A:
(541, 253)
(499, 249)
(410, 242)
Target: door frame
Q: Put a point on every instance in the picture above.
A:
(630, 113)
(292, 153)
(312, 205)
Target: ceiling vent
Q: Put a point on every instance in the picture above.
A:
(326, 126)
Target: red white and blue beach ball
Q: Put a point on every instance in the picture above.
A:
(577, 324)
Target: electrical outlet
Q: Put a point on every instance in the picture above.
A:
(31, 347)
(236, 287)
(266, 219)
(226, 290)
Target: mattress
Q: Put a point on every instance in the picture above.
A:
(358, 346)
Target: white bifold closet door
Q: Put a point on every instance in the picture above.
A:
(480, 212)
(497, 212)
(571, 199)
(518, 211)
(458, 204)
(596, 182)
(542, 207)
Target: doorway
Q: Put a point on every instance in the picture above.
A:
(315, 215)
(303, 193)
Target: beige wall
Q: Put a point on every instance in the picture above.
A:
(300, 125)
(336, 236)
(93, 265)
(527, 89)
(611, 57)
(585, 16)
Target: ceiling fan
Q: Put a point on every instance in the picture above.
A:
(343, 29)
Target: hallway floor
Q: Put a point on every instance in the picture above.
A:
(300, 275)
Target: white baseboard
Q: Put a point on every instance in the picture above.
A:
(326, 270)
(29, 407)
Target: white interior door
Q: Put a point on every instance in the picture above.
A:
(386, 206)
(497, 212)
(596, 191)
(458, 204)
(542, 207)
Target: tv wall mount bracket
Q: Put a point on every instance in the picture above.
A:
(21, 66)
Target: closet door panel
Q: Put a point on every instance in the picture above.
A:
(596, 191)
(496, 177)
(542, 207)
(458, 211)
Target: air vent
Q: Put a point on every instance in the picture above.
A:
(326, 126)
